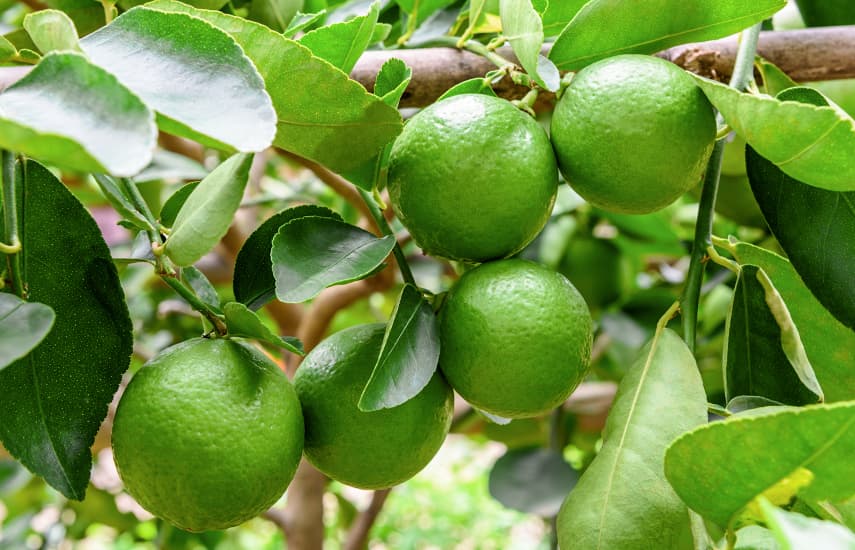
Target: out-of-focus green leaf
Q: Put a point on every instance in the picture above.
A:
(523, 28)
(342, 44)
(276, 14)
(532, 481)
(52, 30)
(86, 14)
(23, 325)
(821, 13)
(243, 322)
(798, 532)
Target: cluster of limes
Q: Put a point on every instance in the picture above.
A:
(210, 433)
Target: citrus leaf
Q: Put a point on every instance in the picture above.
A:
(558, 14)
(392, 80)
(763, 355)
(253, 282)
(343, 43)
(716, 471)
(201, 286)
(817, 146)
(742, 403)
(119, 200)
(173, 204)
(23, 325)
(774, 79)
(302, 21)
(471, 86)
(322, 114)
(208, 212)
(819, 245)
(194, 75)
(243, 322)
(409, 355)
(86, 15)
(523, 28)
(797, 532)
(820, 13)
(311, 253)
(830, 346)
(649, 27)
(51, 30)
(532, 481)
(44, 115)
(7, 49)
(55, 398)
(660, 397)
(422, 9)
(755, 537)
(170, 166)
(276, 14)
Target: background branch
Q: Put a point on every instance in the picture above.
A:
(357, 537)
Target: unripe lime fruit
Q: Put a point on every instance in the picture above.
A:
(473, 178)
(515, 338)
(632, 133)
(208, 434)
(369, 450)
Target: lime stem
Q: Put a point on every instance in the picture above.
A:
(10, 222)
(182, 290)
(380, 219)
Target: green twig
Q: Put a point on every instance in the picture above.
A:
(475, 47)
(197, 304)
(10, 222)
(377, 214)
(742, 72)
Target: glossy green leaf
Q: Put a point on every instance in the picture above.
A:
(201, 286)
(276, 14)
(86, 14)
(56, 397)
(243, 322)
(715, 469)
(648, 27)
(52, 30)
(830, 346)
(175, 202)
(23, 325)
(660, 397)
(194, 75)
(471, 86)
(797, 532)
(558, 13)
(763, 355)
(116, 196)
(774, 79)
(821, 13)
(7, 49)
(311, 253)
(408, 357)
(322, 114)
(72, 114)
(817, 146)
(343, 43)
(303, 21)
(208, 212)
(532, 481)
(392, 81)
(253, 282)
(523, 28)
(819, 245)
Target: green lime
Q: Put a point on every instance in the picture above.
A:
(632, 133)
(594, 267)
(208, 434)
(473, 178)
(515, 338)
(369, 450)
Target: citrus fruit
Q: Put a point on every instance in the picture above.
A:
(632, 133)
(515, 338)
(473, 178)
(369, 450)
(208, 434)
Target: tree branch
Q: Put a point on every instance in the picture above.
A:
(357, 537)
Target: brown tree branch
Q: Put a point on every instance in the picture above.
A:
(357, 537)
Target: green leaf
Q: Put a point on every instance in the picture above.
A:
(175, 202)
(86, 14)
(119, 200)
(422, 9)
(817, 146)
(72, 114)
(408, 357)
(23, 325)
(558, 13)
(818, 245)
(342, 44)
(170, 166)
(208, 212)
(323, 115)
(763, 355)
(716, 471)
(194, 75)
(798, 532)
(243, 322)
(660, 397)
(55, 398)
(471, 86)
(312, 253)
(830, 346)
(821, 13)
(201, 286)
(755, 537)
(303, 21)
(276, 14)
(7, 49)
(532, 481)
(392, 81)
(523, 28)
(648, 27)
(742, 403)
(774, 79)
(253, 282)
(52, 30)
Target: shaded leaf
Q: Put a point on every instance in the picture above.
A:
(243, 322)
(7, 49)
(208, 212)
(408, 357)
(471, 86)
(23, 325)
(201, 286)
(774, 79)
(343, 43)
(72, 114)
(797, 532)
(820, 13)
(523, 28)
(276, 14)
(422, 9)
(51, 30)
(117, 198)
(392, 80)
(167, 165)
(312, 253)
(303, 21)
(194, 75)
(86, 14)
(742, 403)
(558, 14)
(169, 210)
(532, 481)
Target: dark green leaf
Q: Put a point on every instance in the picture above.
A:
(312, 253)
(276, 14)
(422, 9)
(471, 86)
(392, 81)
(720, 468)
(173, 204)
(648, 27)
(75, 115)
(408, 357)
(798, 532)
(523, 28)
(243, 322)
(742, 403)
(660, 397)
(201, 286)
(253, 282)
(23, 325)
(7, 49)
(343, 43)
(55, 398)
(532, 481)
(86, 14)
(821, 13)
(764, 355)
(194, 75)
(208, 212)
(51, 30)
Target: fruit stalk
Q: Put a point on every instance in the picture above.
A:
(742, 72)
(377, 214)
(10, 217)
